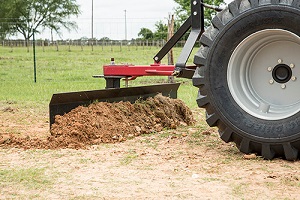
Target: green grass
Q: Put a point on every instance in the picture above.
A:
(31, 178)
(129, 157)
(239, 190)
(67, 71)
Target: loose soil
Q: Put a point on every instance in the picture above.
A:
(104, 122)
(147, 150)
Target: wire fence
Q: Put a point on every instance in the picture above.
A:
(88, 44)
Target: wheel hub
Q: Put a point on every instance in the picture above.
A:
(282, 73)
(262, 74)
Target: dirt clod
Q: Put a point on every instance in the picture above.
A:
(250, 156)
(104, 122)
(9, 109)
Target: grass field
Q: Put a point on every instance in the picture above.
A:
(66, 71)
(186, 163)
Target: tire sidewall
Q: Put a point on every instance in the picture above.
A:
(242, 26)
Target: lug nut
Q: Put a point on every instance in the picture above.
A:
(294, 78)
(279, 61)
(271, 81)
(269, 69)
(292, 65)
(283, 86)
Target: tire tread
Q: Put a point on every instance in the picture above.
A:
(267, 152)
(290, 152)
(212, 119)
(245, 145)
(202, 101)
(226, 135)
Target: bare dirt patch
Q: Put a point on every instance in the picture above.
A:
(104, 122)
(189, 162)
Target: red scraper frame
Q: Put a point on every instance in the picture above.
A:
(114, 73)
(62, 103)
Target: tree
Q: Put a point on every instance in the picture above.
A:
(145, 34)
(105, 39)
(183, 11)
(161, 30)
(29, 16)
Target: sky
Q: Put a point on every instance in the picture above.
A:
(109, 18)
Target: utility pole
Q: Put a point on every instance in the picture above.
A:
(125, 25)
(92, 25)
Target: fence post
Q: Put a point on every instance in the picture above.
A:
(43, 45)
(170, 54)
(136, 45)
(11, 46)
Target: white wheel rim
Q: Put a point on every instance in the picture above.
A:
(255, 74)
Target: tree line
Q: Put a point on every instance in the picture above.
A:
(182, 12)
(33, 16)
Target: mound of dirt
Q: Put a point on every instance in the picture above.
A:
(109, 123)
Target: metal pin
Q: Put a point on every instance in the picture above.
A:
(195, 13)
(294, 78)
(195, 3)
(283, 86)
(292, 65)
(279, 61)
(271, 81)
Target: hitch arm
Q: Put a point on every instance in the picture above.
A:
(173, 40)
(194, 22)
(197, 25)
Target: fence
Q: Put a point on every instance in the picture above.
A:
(89, 44)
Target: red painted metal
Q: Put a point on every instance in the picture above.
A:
(138, 70)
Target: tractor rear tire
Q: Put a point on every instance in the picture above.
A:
(248, 75)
